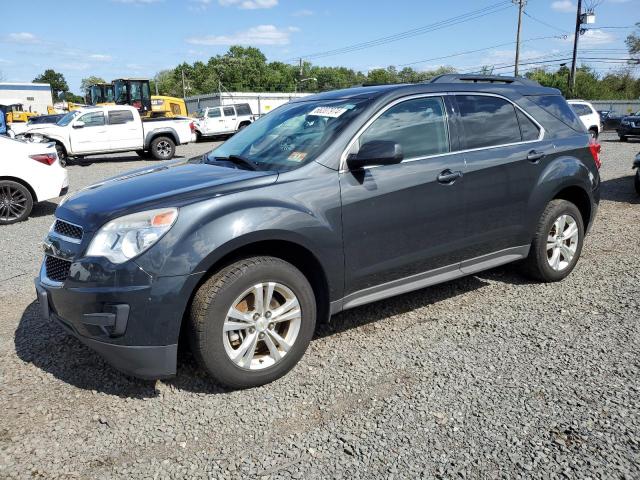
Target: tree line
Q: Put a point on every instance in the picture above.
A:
(247, 69)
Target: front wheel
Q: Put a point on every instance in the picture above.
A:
(252, 321)
(16, 202)
(557, 242)
(162, 148)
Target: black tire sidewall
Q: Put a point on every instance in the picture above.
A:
(214, 356)
(557, 209)
(636, 181)
(29, 205)
(154, 148)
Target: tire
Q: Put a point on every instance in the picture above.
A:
(538, 263)
(594, 133)
(16, 202)
(636, 181)
(213, 347)
(623, 138)
(243, 125)
(62, 155)
(162, 148)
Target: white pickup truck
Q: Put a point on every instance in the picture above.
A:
(113, 128)
(223, 120)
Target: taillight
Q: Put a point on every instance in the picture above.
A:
(594, 148)
(45, 158)
(192, 127)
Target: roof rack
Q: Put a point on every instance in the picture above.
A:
(462, 78)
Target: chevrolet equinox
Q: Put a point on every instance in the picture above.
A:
(329, 202)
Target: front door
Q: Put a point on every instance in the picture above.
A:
(214, 122)
(90, 135)
(405, 219)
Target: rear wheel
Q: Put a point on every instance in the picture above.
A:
(16, 202)
(162, 148)
(252, 321)
(557, 243)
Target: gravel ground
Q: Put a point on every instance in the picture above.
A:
(490, 376)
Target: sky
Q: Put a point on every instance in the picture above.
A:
(138, 38)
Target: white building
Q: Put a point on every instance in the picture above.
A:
(35, 97)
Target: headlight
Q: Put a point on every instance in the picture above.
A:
(127, 237)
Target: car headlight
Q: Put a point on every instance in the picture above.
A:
(127, 237)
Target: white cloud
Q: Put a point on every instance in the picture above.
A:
(593, 36)
(100, 57)
(249, 4)
(565, 6)
(303, 13)
(21, 37)
(259, 35)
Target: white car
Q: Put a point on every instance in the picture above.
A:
(29, 173)
(224, 120)
(113, 128)
(588, 116)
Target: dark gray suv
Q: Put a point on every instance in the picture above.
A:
(329, 202)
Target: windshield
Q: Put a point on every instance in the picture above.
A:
(292, 135)
(66, 120)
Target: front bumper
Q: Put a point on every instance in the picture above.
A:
(624, 130)
(128, 317)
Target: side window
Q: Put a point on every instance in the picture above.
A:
(229, 112)
(558, 107)
(529, 130)
(214, 113)
(488, 121)
(243, 109)
(93, 119)
(118, 117)
(418, 125)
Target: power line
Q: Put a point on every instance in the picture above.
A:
(545, 23)
(466, 17)
(467, 52)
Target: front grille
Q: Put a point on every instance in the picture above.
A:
(56, 268)
(68, 229)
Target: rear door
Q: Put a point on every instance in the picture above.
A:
(230, 119)
(90, 135)
(405, 219)
(504, 159)
(124, 132)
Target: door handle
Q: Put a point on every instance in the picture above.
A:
(448, 177)
(534, 156)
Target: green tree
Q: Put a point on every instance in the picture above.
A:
(91, 80)
(633, 42)
(56, 80)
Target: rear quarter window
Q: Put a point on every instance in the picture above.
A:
(243, 109)
(557, 106)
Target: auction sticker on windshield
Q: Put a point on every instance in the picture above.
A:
(333, 112)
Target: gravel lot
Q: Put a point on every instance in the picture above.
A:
(489, 376)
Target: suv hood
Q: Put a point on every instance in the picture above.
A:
(172, 184)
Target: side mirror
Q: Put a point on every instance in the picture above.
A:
(78, 124)
(375, 152)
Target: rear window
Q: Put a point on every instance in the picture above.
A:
(118, 117)
(558, 107)
(488, 121)
(243, 109)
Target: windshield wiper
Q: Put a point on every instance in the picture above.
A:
(239, 160)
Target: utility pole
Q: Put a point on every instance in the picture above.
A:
(572, 75)
(521, 4)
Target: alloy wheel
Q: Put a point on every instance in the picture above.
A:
(562, 242)
(163, 148)
(262, 325)
(13, 203)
